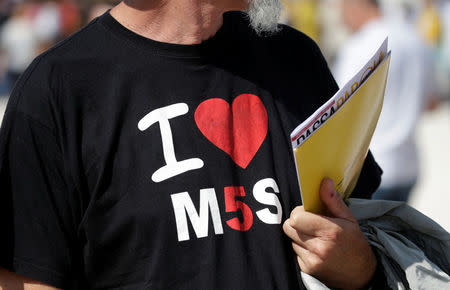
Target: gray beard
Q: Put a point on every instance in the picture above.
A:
(264, 15)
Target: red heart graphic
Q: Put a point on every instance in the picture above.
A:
(239, 131)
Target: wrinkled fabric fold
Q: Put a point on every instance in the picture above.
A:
(412, 250)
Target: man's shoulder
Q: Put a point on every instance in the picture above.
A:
(39, 86)
(295, 37)
(84, 42)
(286, 37)
(84, 47)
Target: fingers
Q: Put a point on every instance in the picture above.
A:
(334, 202)
(319, 246)
(312, 224)
(308, 261)
(297, 237)
(303, 247)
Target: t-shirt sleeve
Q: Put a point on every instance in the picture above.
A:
(370, 177)
(37, 203)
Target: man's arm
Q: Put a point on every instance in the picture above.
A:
(13, 281)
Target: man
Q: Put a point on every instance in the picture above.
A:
(409, 84)
(151, 151)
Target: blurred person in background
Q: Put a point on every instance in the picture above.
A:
(5, 8)
(429, 23)
(4, 84)
(437, 34)
(70, 18)
(409, 85)
(333, 32)
(19, 42)
(303, 15)
(54, 21)
(46, 24)
(97, 9)
(32, 28)
(430, 27)
(443, 49)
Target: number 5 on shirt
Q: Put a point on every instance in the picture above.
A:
(233, 205)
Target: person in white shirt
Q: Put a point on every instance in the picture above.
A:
(19, 43)
(410, 82)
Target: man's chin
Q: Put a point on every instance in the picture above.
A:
(264, 15)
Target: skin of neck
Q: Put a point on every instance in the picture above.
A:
(175, 21)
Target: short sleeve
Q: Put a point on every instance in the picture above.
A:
(37, 205)
(369, 179)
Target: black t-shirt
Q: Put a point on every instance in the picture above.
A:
(128, 163)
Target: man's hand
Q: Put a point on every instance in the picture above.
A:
(331, 248)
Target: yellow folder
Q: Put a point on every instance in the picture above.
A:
(338, 148)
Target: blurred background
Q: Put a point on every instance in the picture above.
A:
(412, 141)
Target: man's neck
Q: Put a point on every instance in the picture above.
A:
(174, 21)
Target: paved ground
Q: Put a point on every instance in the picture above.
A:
(432, 194)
